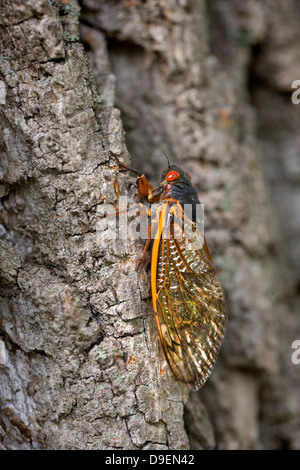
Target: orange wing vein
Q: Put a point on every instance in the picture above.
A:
(188, 300)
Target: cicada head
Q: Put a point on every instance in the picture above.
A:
(171, 178)
(175, 175)
(176, 184)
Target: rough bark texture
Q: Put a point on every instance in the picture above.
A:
(209, 84)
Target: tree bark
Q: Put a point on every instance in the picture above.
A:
(80, 362)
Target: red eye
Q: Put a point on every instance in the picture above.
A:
(172, 176)
(189, 175)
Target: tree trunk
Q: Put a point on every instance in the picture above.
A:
(80, 362)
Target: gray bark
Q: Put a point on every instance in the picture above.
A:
(80, 362)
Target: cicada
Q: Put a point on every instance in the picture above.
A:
(188, 300)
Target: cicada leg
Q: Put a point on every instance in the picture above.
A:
(146, 191)
(144, 186)
(146, 247)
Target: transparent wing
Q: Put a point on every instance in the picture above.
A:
(188, 300)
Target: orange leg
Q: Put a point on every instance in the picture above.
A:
(145, 249)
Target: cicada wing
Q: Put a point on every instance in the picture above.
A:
(188, 301)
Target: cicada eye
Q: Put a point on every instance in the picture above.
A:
(189, 175)
(173, 175)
